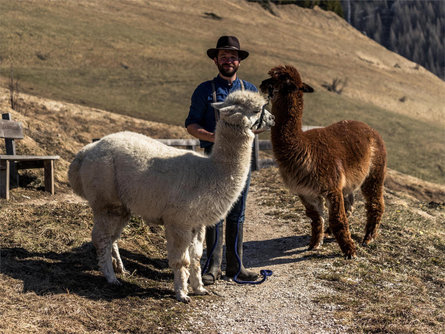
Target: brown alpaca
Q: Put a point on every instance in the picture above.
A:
(325, 163)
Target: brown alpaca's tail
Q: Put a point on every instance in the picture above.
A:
(372, 190)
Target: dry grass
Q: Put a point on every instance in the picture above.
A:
(50, 280)
(396, 284)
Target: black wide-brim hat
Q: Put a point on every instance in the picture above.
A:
(227, 43)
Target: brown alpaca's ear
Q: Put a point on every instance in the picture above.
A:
(307, 88)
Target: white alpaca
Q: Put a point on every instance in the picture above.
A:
(127, 173)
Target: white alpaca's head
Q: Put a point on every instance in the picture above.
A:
(246, 109)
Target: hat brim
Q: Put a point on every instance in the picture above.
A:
(213, 53)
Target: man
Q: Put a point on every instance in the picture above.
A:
(201, 123)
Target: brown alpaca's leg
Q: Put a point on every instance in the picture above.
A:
(314, 210)
(338, 223)
(372, 190)
(349, 206)
(349, 203)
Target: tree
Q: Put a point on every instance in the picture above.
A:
(413, 28)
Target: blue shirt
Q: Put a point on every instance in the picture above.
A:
(201, 112)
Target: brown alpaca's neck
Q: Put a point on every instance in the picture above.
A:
(288, 114)
(290, 146)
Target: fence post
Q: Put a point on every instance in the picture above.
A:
(10, 150)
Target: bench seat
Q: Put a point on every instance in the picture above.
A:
(26, 162)
(28, 157)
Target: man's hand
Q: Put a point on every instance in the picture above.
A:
(199, 132)
(257, 131)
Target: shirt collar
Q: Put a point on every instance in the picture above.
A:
(225, 83)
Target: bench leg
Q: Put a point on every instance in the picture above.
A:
(4, 179)
(14, 176)
(49, 176)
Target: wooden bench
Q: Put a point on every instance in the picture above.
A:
(10, 162)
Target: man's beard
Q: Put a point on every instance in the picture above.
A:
(228, 73)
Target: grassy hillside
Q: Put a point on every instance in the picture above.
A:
(415, 147)
(144, 59)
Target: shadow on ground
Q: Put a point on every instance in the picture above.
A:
(278, 251)
(76, 272)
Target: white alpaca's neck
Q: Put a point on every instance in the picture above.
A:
(233, 146)
(230, 163)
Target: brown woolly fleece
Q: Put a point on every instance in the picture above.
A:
(325, 163)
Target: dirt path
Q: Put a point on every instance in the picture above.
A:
(284, 303)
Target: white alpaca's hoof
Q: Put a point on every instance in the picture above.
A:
(123, 271)
(119, 269)
(200, 291)
(183, 298)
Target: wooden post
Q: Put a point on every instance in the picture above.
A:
(49, 176)
(10, 150)
(4, 179)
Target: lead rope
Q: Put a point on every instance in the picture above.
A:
(264, 272)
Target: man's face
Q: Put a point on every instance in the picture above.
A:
(227, 62)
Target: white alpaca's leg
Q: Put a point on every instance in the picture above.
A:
(178, 242)
(103, 243)
(118, 265)
(104, 230)
(195, 251)
(122, 216)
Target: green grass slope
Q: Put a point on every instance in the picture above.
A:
(144, 59)
(415, 147)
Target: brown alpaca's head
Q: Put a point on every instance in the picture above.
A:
(284, 80)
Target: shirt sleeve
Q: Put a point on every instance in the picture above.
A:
(198, 107)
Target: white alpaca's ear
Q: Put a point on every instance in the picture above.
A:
(226, 110)
(217, 105)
